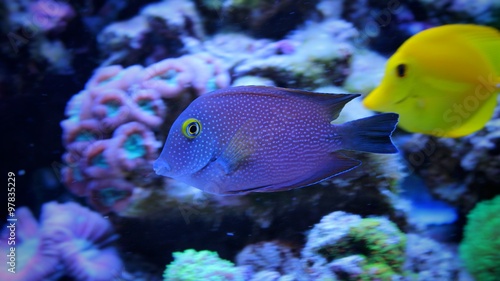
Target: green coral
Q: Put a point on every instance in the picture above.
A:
(378, 241)
(356, 248)
(192, 265)
(377, 272)
(382, 242)
(134, 146)
(480, 247)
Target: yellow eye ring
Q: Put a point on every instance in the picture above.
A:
(191, 128)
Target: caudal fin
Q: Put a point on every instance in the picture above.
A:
(371, 134)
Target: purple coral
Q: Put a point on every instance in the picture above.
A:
(169, 77)
(82, 239)
(33, 261)
(172, 77)
(133, 145)
(107, 195)
(70, 240)
(115, 77)
(112, 108)
(272, 256)
(148, 108)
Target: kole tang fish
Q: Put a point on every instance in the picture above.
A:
(442, 81)
(264, 139)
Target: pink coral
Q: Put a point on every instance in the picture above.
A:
(112, 108)
(133, 145)
(107, 195)
(83, 132)
(148, 107)
(210, 72)
(97, 163)
(72, 176)
(33, 260)
(169, 77)
(78, 107)
(82, 239)
(115, 77)
(172, 77)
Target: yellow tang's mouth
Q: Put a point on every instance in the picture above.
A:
(383, 100)
(375, 100)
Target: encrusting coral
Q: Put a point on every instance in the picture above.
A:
(348, 245)
(192, 265)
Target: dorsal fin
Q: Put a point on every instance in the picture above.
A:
(335, 102)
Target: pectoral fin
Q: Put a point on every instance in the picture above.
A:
(239, 149)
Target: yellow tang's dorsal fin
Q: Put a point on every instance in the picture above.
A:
(485, 38)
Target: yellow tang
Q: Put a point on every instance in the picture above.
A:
(442, 81)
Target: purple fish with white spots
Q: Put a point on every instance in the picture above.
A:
(265, 139)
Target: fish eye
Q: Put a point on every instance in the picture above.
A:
(191, 128)
(401, 70)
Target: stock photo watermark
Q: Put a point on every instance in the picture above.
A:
(11, 222)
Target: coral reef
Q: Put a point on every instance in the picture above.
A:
(154, 59)
(367, 70)
(165, 29)
(256, 16)
(349, 245)
(427, 259)
(316, 55)
(70, 240)
(481, 243)
(484, 12)
(269, 257)
(33, 28)
(191, 265)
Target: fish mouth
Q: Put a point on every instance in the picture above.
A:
(402, 100)
(162, 168)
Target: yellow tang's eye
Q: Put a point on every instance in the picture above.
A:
(191, 128)
(401, 70)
